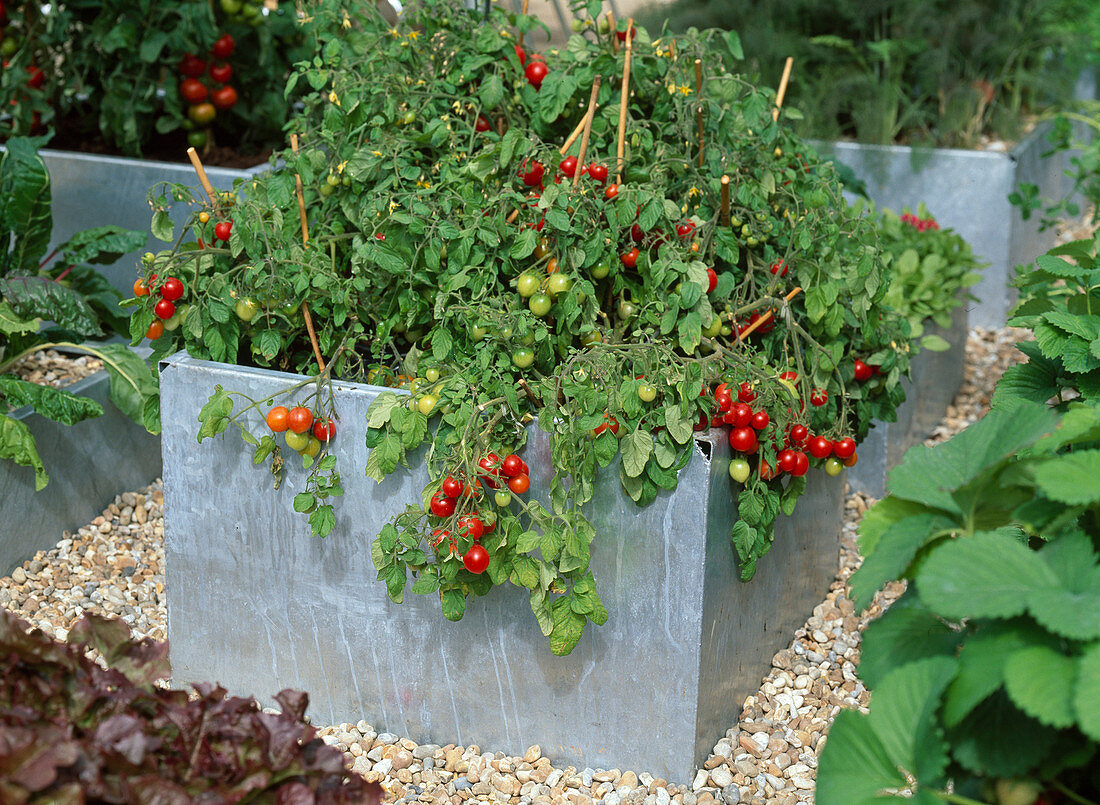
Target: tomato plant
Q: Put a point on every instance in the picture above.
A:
(448, 263)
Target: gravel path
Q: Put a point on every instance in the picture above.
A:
(115, 566)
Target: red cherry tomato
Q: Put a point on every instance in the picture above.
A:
(221, 73)
(820, 447)
(862, 370)
(155, 331)
(224, 98)
(300, 419)
(164, 309)
(819, 397)
(224, 47)
(597, 172)
(481, 124)
(568, 166)
(712, 280)
(512, 465)
(520, 484)
(799, 434)
(324, 430)
(725, 402)
(193, 91)
(746, 394)
(802, 464)
(37, 77)
(533, 174)
(223, 229)
(785, 461)
(630, 258)
(192, 66)
(743, 440)
(441, 505)
(277, 418)
(476, 560)
(779, 267)
(521, 54)
(742, 415)
(140, 288)
(844, 448)
(470, 526)
(452, 487)
(536, 71)
(172, 289)
(760, 420)
(611, 192)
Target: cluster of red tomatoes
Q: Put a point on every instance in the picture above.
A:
(303, 432)
(506, 476)
(920, 224)
(203, 101)
(10, 42)
(535, 71)
(748, 426)
(171, 291)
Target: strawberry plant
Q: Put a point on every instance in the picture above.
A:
(74, 730)
(59, 288)
(468, 234)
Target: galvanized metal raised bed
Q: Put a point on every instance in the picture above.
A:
(90, 190)
(257, 604)
(934, 380)
(89, 464)
(968, 192)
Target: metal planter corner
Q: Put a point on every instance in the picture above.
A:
(257, 604)
(968, 192)
(89, 464)
(934, 379)
(89, 190)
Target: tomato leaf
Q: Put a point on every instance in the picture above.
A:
(17, 444)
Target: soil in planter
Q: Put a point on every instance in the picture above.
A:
(170, 147)
(52, 368)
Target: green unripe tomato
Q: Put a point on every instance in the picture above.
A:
(415, 384)
(502, 497)
(326, 190)
(627, 309)
(528, 339)
(232, 6)
(196, 139)
(506, 332)
(478, 333)
(177, 318)
(410, 117)
(739, 470)
(333, 179)
(290, 309)
(647, 392)
(427, 404)
(576, 26)
(604, 25)
(591, 337)
(726, 330)
(312, 448)
(431, 374)
(558, 284)
(833, 466)
(600, 270)
(296, 441)
(523, 357)
(8, 46)
(246, 309)
(750, 242)
(527, 285)
(540, 304)
(713, 328)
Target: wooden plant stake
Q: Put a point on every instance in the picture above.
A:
(782, 91)
(699, 108)
(587, 129)
(572, 138)
(305, 241)
(520, 33)
(614, 36)
(765, 318)
(204, 180)
(724, 216)
(621, 150)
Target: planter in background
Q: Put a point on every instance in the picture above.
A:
(968, 192)
(934, 380)
(89, 464)
(90, 190)
(257, 604)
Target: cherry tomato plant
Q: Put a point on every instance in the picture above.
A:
(461, 264)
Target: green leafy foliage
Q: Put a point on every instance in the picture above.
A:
(997, 532)
(426, 235)
(122, 83)
(936, 72)
(75, 730)
(76, 299)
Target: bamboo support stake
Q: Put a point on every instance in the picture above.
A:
(614, 36)
(765, 318)
(204, 180)
(725, 211)
(699, 108)
(591, 113)
(621, 150)
(305, 240)
(781, 93)
(672, 49)
(572, 138)
(520, 37)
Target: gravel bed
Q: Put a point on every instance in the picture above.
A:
(52, 368)
(115, 566)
